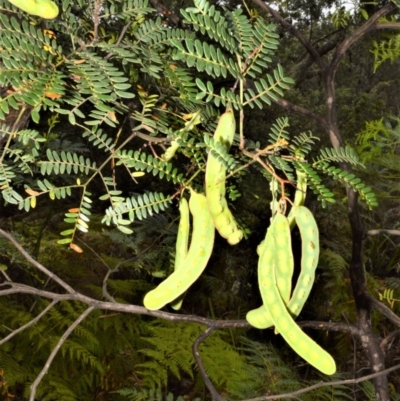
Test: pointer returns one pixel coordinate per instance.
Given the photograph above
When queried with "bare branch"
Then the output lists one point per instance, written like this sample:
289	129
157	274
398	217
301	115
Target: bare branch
389	338
195	348
303	112
118	307
388	25
383	231
55	350
297	34
30	323
369	25
326	384
39	266
331	326
384	310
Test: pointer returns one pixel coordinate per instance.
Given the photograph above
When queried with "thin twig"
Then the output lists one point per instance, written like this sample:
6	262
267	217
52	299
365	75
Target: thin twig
55	350
391	337
326	384
383	231
386	311
195	348
30	323
35	263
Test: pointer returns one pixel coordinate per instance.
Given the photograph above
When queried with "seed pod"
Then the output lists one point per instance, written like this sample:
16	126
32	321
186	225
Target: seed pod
181	247
223	219
299	196
303	345
305	220
194	263
42	8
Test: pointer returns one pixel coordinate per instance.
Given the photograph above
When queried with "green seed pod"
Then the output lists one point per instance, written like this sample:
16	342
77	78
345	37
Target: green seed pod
259	317
170	152
194	263
268	264
224	221
181	247
42	8
299	196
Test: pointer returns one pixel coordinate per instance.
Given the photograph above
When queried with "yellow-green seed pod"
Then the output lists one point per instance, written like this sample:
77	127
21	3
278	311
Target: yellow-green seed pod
182	241
196	260
299	196
43	8
303	345
260	317
223	219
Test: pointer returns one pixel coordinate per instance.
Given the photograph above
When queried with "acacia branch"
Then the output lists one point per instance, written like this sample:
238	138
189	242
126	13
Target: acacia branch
331	326
302	112
16	288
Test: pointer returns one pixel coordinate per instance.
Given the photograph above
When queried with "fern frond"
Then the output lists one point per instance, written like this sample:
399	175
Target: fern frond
386	50
134	394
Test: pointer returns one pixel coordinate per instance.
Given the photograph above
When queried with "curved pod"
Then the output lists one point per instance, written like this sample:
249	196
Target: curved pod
182	241
299	196
303	345
223	219
260	317
194	263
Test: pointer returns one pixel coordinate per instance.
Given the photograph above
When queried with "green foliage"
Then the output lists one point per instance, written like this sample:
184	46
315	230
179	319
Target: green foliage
168	351
278	377
386	50
149	395
94	358
96	85
107	98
